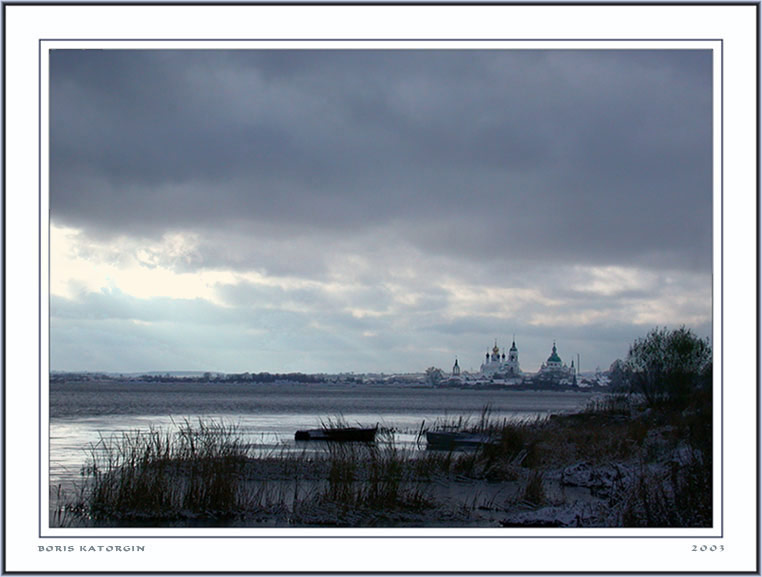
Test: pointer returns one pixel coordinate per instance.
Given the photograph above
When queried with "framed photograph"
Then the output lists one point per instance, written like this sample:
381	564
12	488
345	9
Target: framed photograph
381	288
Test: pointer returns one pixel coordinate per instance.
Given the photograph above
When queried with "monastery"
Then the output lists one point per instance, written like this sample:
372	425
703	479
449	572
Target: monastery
499	365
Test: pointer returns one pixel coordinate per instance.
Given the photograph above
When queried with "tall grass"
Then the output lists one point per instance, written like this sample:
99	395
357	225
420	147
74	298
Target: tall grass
372	477
66	510
205	470
533	491
507	445
166	474
614	404
666	492
681	496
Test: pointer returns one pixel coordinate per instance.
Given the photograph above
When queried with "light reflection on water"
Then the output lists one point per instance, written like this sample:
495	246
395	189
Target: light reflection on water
267	415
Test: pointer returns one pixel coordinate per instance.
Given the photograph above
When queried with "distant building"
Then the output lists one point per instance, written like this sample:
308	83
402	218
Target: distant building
502	367
497	363
555	367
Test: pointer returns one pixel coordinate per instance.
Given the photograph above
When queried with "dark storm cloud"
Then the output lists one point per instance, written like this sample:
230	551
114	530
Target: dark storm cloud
582	156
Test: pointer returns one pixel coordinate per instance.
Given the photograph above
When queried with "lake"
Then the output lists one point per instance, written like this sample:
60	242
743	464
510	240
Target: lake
267	415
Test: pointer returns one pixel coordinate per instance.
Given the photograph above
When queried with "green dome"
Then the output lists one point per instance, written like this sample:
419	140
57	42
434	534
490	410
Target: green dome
554	358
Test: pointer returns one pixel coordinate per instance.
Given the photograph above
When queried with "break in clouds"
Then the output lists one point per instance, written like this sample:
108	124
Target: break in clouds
374	210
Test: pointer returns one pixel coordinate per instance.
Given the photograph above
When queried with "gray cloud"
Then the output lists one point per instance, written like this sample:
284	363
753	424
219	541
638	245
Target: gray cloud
528	147
393	174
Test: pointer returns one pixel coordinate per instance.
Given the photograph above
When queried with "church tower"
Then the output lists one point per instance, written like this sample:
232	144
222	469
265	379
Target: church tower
513	354
554	365
495	353
554	362
513	358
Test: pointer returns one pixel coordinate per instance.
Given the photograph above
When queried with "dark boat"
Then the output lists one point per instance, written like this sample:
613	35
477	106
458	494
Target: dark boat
343	434
453	439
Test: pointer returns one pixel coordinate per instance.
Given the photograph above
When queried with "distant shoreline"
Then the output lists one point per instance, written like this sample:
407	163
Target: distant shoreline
298	379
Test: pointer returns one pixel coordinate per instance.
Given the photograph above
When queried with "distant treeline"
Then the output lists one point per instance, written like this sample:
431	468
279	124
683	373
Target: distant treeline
235	378
205	378
270	378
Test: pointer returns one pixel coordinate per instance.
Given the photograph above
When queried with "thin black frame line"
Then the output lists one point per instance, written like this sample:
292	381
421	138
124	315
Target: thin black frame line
39	277
391	572
720	40
389	3
655	40
757	559
4	249
722	300
560	537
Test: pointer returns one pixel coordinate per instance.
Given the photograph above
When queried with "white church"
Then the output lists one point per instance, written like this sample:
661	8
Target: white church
555	367
497	363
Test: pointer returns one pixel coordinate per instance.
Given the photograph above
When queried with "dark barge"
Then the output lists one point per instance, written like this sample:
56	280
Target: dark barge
359	434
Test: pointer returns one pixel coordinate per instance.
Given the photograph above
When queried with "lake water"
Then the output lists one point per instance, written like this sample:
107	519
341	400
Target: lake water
269	414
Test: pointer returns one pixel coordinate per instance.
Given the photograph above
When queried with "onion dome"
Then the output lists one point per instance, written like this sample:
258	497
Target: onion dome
554	358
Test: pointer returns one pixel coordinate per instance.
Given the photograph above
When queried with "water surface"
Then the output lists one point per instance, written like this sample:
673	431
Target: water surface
268	414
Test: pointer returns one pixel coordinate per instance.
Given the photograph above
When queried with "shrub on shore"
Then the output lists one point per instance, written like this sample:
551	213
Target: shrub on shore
668	367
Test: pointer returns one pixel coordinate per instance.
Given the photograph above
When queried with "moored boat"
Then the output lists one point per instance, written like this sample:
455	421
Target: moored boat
360	434
453	439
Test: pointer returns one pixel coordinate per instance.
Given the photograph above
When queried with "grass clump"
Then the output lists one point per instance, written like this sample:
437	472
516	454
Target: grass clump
614	404
680	492
681	496
366	476
653	466
533	491
165	474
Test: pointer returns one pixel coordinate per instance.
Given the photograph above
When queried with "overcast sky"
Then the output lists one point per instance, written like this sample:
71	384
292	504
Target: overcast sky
330	211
